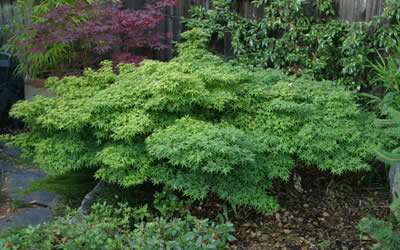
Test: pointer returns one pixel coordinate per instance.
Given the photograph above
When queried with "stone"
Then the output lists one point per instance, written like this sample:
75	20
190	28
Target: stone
20	180
5	167
39	197
58	205
394	181
14	151
31	216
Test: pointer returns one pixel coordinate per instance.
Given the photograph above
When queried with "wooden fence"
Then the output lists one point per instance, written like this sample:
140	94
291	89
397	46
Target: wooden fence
7	13
346	10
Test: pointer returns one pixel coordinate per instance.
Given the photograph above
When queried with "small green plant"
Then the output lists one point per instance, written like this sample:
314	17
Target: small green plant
196	124
382	231
324	244
72	186
391	127
387	76
388	70
121	227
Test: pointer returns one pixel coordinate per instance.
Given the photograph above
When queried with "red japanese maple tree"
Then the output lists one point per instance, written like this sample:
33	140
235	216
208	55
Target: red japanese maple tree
96	28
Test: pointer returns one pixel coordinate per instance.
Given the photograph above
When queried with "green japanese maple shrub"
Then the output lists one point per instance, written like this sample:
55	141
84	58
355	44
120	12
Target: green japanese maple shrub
196	124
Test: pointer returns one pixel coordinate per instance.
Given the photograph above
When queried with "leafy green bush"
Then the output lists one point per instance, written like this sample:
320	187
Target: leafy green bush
290	38
391	127
387	76
196	124
382	231
122	227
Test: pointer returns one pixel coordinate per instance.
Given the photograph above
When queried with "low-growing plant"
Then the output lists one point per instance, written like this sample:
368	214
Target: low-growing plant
196	124
382	231
72	186
120	227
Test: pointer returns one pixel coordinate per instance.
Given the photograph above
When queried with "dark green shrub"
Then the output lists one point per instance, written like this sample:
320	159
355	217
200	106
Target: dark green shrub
289	38
196	124
383	232
123	227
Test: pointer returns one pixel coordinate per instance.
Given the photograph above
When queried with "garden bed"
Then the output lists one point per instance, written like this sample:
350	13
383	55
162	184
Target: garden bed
325	216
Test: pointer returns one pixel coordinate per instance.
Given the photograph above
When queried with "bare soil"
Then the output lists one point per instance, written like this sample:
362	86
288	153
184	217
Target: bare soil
324	216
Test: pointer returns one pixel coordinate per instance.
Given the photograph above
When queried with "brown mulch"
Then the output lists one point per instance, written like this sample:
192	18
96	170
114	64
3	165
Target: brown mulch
324	216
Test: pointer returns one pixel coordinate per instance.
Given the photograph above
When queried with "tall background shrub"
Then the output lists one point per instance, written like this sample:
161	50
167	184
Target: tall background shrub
289	38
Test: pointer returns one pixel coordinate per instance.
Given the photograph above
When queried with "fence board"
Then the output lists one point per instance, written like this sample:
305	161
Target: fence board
7	14
347	10
358	10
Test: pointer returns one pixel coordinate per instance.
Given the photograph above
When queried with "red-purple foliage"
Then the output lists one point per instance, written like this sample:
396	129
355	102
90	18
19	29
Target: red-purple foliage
101	26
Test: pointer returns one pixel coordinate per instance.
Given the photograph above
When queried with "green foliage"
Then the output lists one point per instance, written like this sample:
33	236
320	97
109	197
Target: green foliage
19	37
72	186
388	71
288	38
383	232
387	76
196	124
121	227
391	128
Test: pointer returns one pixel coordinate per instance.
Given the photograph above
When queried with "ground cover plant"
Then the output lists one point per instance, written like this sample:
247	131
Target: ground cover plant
383	231
196	124
290	38
124	227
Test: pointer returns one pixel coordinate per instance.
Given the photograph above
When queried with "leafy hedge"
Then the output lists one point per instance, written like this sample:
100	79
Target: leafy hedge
290	38
196	124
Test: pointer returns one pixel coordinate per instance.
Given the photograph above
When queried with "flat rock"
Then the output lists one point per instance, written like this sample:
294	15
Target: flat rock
20	180
5	166
12	151
43	198
31	216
